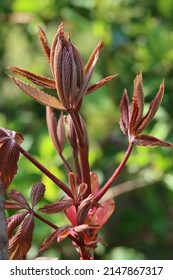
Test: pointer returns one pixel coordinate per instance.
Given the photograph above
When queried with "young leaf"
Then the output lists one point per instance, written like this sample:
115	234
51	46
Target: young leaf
147	140
138	98
13	205
93	56
44	43
20	243
56	207
124	113
36	79
37	193
39	95
17	196
9	155
15	220
100	84
154	106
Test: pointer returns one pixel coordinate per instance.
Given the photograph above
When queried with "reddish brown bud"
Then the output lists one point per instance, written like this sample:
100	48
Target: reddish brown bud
67	67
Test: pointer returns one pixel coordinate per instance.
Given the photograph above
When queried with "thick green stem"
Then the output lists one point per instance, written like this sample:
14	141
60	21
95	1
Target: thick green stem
115	174
46	172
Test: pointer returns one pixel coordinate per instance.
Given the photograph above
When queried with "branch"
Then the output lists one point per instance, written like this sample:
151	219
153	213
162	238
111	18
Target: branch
46	172
116	173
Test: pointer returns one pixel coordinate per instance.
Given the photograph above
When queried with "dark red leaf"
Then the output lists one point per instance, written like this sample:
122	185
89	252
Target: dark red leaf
9	155
138	98
37	193
93	56
56	207
39	95
14	220
53	46
17	196
48	241
36	79
124	113
154	106
20	243
44	43
147	140
12	205
88	74
100	84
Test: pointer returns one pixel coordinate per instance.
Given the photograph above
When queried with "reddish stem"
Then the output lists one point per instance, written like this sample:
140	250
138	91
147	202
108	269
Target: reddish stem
73	238
83	151
46	172
116	173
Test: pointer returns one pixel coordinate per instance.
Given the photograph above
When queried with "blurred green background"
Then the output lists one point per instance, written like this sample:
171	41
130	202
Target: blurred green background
138	35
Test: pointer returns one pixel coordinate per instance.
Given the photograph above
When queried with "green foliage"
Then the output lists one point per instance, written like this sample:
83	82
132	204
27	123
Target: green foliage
137	36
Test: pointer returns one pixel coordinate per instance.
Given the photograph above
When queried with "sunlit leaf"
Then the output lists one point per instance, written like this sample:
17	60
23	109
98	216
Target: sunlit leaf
38	95
36	79
44	43
124	113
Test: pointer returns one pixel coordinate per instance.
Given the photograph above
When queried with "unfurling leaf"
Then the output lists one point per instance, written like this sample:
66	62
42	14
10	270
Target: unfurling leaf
20	243
9	155
56	207
37	193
